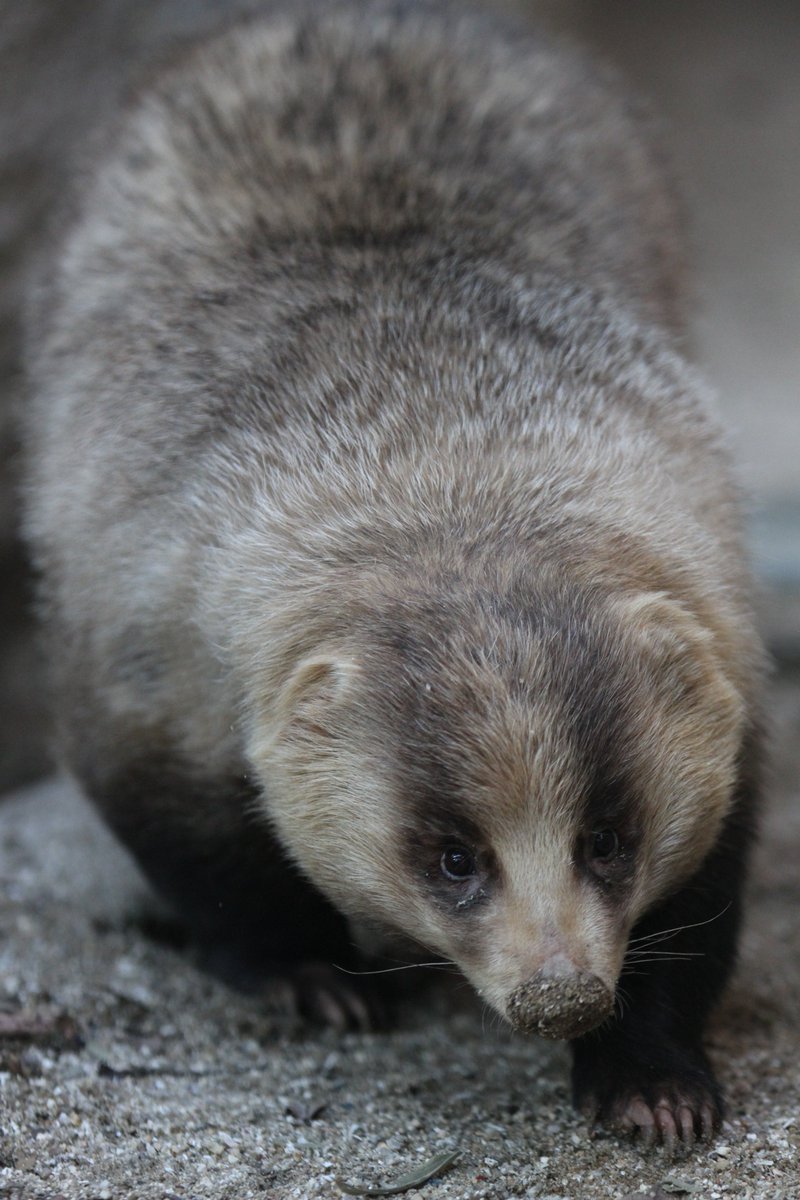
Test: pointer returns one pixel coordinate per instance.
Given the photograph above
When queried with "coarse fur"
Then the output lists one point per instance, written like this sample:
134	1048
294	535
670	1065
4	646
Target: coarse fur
382	526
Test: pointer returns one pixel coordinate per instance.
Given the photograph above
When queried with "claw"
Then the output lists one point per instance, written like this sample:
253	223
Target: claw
313	992
647	1137
667	1127
674	1111
328	1009
671	1123
686	1123
708	1122
637	1115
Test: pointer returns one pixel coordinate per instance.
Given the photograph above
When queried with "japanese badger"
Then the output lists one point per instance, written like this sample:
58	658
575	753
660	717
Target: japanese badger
390	557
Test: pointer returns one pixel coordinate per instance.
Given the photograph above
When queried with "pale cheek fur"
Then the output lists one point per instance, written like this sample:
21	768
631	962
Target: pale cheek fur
334	816
686	794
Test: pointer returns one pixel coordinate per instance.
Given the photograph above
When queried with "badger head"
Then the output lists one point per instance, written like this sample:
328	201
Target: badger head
511	779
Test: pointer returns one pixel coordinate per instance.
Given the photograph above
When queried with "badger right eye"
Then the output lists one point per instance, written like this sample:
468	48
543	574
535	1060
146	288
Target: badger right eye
605	844
457	863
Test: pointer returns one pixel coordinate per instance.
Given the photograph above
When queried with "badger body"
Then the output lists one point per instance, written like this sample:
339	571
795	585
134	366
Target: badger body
390	557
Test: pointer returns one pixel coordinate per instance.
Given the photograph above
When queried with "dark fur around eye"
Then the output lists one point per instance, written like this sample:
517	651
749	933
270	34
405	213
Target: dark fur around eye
608	855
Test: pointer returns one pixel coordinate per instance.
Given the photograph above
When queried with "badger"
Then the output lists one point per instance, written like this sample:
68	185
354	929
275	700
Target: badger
390	552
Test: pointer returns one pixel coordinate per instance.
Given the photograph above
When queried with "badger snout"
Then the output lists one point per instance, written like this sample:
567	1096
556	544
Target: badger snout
559	1001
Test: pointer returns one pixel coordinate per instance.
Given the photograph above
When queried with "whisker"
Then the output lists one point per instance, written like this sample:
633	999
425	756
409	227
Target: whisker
632	968
662	934
439	964
498	1022
665	955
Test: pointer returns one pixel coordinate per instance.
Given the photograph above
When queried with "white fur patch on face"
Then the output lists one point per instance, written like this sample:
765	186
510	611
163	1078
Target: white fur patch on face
544	915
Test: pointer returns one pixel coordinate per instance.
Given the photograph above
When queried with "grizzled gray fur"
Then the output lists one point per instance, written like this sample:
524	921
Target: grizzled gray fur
390	557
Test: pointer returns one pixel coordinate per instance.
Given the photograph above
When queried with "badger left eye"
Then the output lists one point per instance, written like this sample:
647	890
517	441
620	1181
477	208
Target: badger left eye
604	844
458	863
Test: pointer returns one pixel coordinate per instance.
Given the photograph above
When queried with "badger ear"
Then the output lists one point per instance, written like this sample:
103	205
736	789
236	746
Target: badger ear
311	702
656	618
684	656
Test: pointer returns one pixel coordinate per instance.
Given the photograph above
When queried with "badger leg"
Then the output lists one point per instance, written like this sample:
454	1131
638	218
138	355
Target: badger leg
645	1072
256	921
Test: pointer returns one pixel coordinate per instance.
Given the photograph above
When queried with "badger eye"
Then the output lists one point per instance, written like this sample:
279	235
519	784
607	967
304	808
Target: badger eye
457	863
605	844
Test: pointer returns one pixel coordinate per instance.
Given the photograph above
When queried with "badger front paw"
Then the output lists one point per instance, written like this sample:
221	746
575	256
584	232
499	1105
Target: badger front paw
668	1097
322	995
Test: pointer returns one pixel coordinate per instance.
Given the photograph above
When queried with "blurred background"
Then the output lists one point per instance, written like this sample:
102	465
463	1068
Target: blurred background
723	74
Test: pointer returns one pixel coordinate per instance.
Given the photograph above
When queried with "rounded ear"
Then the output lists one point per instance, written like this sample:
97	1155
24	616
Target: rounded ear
685	658
689	720
311	700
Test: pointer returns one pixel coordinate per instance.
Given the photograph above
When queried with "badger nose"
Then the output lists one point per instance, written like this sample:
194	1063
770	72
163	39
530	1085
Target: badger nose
559	1001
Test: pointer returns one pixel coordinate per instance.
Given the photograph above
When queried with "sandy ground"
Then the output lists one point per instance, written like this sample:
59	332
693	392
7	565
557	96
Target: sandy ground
125	1072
